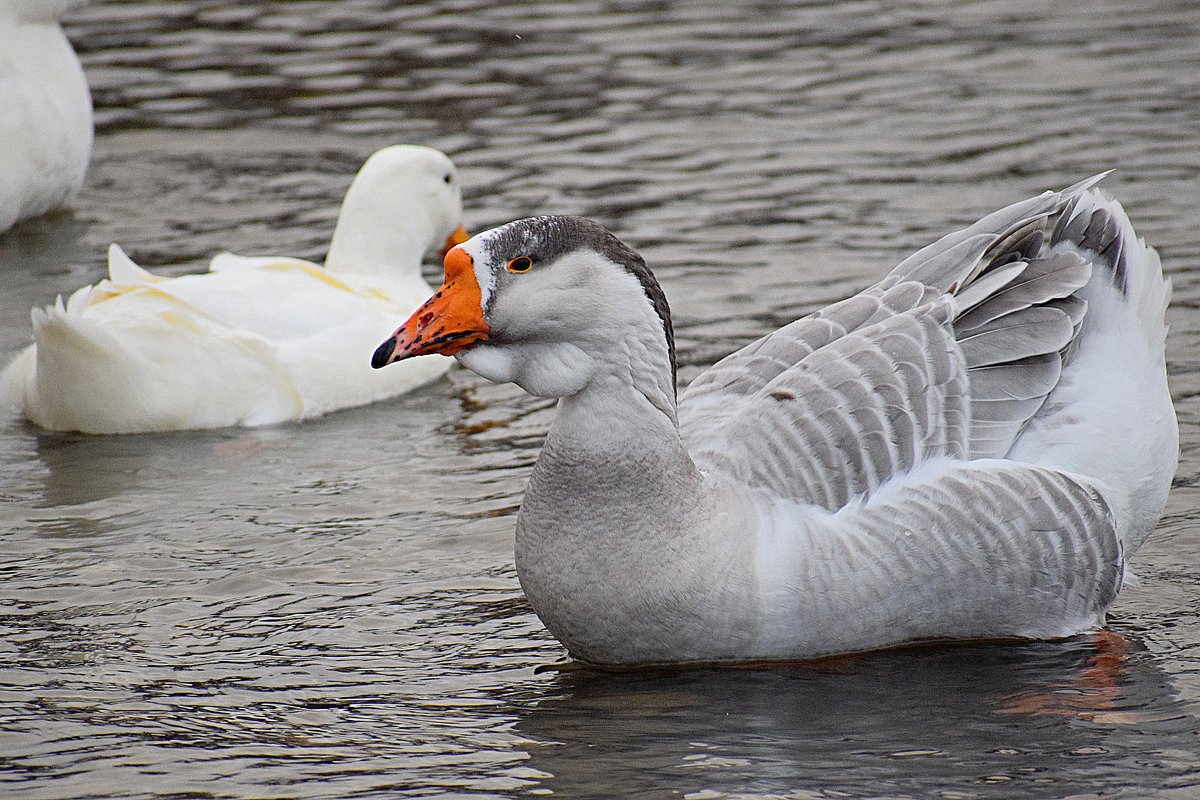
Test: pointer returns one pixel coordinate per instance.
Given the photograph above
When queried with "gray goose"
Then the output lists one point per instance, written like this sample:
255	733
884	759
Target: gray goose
971	448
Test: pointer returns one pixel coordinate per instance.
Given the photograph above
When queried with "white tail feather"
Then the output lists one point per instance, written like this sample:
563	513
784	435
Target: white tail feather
1115	373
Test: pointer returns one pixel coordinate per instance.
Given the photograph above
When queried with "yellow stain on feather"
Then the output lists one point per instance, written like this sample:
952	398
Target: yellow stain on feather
313	271
180	321
107	291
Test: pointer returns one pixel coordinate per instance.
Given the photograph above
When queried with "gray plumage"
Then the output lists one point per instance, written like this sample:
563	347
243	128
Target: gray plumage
545	239
972	447
981	316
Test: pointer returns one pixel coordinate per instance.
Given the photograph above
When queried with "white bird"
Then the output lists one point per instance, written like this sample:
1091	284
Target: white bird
45	111
253	341
972	448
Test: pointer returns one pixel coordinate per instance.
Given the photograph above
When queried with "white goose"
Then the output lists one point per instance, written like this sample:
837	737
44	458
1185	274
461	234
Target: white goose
254	340
45	111
971	448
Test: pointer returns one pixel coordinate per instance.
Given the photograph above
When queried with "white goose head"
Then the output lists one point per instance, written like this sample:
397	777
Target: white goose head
551	304
404	202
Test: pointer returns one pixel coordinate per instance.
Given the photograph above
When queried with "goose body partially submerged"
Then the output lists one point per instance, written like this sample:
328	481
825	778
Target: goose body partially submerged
253	341
972	448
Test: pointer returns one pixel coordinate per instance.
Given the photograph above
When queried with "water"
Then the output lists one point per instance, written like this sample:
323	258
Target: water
330	609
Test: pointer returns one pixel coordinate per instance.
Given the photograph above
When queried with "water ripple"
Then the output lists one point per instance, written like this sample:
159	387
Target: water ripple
330	609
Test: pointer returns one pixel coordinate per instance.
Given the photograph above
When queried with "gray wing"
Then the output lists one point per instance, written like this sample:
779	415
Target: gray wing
847	414
950	354
977	549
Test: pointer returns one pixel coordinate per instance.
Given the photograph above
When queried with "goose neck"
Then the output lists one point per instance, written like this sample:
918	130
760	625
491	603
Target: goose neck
613	426
366	243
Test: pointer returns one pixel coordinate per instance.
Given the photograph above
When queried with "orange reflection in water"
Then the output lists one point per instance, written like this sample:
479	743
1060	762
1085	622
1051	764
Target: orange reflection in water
1093	696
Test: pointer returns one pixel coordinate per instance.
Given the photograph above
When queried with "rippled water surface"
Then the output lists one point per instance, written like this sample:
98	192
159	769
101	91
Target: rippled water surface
330	609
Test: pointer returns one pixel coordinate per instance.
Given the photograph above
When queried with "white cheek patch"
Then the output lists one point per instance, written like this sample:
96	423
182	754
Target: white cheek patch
484	275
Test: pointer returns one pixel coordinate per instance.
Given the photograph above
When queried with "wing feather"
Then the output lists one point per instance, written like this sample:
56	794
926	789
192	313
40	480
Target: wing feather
1045	279
848	416
951	354
993	546
1028	332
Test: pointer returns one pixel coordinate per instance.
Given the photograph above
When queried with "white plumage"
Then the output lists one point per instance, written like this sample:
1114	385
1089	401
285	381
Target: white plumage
254	340
45	111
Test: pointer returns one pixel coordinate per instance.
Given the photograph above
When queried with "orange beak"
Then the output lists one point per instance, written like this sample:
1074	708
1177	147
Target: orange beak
459	236
446	323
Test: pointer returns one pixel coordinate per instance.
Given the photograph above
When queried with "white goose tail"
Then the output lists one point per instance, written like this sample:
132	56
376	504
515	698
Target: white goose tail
1110	418
74	356
127	356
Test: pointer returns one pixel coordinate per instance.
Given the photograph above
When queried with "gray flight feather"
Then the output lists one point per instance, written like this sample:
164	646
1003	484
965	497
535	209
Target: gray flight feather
1045	279
951	354
1028	332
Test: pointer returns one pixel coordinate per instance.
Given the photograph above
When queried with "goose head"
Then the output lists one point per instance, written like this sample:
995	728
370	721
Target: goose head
404	202
551	304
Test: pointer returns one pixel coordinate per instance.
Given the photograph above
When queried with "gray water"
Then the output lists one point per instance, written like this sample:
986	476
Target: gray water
330	609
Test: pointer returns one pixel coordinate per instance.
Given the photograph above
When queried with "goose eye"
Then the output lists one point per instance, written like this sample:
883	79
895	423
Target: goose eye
448	178
520	264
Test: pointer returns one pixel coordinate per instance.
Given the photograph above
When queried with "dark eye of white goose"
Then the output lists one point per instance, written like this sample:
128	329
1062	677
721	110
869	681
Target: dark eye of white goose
448	178
519	265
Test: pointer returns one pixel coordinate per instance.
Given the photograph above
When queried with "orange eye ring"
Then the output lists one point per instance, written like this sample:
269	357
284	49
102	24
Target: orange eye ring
519	265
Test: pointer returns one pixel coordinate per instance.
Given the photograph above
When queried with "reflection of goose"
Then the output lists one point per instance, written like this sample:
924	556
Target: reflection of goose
1094	694
45	111
971	448
913	723
254	340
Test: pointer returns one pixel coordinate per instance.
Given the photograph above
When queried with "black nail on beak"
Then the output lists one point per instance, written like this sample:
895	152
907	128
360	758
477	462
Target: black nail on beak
383	353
